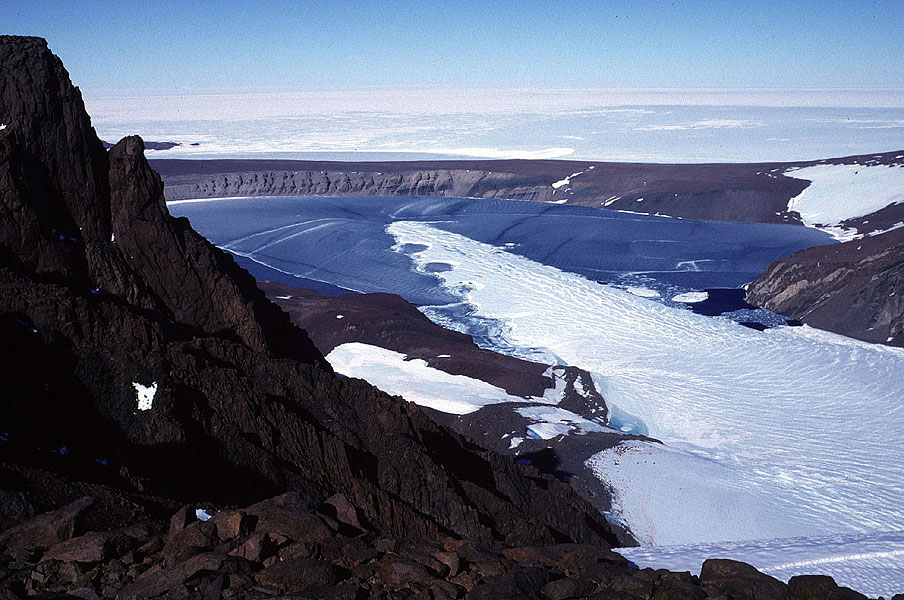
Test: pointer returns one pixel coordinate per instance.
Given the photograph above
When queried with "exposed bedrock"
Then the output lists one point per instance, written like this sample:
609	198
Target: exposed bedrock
105	299
855	288
748	193
752	193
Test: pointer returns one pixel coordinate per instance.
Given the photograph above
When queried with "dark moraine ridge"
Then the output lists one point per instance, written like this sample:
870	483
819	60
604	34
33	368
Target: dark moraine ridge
102	289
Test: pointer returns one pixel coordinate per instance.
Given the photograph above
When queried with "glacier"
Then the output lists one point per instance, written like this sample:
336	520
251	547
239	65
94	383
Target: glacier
776	434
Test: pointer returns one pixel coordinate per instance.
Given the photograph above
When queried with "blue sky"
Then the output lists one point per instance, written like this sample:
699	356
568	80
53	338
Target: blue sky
279	44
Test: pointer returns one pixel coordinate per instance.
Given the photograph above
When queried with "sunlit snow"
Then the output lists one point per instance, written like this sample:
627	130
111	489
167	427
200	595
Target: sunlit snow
840	192
414	380
202	515
550	421
145	395
795	432
566	181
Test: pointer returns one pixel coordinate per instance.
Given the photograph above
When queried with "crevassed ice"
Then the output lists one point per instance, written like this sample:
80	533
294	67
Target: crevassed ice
798	431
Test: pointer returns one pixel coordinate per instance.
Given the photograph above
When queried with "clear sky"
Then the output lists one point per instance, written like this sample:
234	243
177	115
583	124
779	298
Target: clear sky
550	43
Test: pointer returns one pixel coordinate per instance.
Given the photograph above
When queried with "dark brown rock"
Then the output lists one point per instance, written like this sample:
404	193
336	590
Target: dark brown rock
740	580
45	529
850	288
299	574
91	547
819	587
397	572
231	524
254	548
194	539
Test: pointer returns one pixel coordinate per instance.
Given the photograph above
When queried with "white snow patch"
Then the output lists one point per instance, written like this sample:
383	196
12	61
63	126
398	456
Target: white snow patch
340	316
691	297
642	292
840	192
801	429
515	442
113	237
415	380
892	228
2	126
202	515
550	422
563	182
872	564
283	297
145	395
443	356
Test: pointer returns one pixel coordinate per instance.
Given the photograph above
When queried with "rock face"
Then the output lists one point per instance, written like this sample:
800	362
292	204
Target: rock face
854	288
726	192
107	299
749	193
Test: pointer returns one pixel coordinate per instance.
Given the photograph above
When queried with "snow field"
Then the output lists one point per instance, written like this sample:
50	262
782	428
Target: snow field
415	380
840	192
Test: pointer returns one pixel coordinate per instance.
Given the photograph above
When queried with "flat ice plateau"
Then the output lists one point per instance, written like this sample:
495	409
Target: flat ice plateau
788	432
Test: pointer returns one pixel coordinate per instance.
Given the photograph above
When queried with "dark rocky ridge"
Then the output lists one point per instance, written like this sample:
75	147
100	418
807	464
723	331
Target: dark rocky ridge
101	288
855	288
148	145
750	193
280	548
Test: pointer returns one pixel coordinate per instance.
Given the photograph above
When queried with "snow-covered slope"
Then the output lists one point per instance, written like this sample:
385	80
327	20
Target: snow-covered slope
838	192
787	432
393	373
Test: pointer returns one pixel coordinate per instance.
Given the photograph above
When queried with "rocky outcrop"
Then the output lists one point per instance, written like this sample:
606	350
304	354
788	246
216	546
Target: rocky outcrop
106	300
388	321
749	193
854	288
280	548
